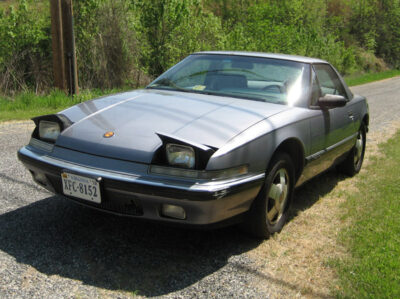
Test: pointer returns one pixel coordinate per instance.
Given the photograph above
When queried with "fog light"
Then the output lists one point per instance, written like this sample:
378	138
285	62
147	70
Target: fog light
39	178
173	211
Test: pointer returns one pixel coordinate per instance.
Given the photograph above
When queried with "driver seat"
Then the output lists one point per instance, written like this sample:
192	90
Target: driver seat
225	81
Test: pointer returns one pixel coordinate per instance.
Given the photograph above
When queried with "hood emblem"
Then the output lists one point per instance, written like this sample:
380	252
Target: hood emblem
108	134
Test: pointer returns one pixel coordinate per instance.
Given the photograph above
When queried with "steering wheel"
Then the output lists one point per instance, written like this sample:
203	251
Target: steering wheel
273	87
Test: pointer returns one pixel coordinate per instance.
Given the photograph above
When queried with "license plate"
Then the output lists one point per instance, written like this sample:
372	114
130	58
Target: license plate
81	187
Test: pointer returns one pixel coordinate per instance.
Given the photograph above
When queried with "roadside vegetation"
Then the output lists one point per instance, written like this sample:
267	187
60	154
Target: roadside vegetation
26	105
358	79
372	237
127	43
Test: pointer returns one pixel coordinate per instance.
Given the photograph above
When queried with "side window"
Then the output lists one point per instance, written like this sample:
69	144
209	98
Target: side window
328	80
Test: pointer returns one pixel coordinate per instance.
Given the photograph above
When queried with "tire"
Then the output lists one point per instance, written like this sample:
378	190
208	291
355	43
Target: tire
353	162
269	210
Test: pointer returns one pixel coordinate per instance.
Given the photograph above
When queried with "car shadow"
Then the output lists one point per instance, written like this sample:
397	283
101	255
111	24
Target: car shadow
58	237
309	193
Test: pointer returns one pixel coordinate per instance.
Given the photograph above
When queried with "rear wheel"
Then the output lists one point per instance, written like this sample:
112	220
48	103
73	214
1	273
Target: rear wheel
353	162
269	211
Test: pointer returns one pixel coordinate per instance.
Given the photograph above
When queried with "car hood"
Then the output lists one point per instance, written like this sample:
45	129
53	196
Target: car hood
135	118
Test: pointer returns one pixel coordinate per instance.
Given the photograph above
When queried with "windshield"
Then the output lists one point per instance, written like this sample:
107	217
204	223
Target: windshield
255	78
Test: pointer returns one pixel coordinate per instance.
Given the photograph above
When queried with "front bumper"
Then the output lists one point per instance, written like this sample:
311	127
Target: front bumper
142	195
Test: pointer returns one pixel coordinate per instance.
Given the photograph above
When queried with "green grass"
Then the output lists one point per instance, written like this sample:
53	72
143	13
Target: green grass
373	238
353	80
28	105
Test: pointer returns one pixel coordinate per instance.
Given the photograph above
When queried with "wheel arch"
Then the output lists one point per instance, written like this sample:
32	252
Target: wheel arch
295	149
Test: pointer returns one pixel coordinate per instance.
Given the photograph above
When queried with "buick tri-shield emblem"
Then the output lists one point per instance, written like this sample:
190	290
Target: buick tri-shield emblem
108	134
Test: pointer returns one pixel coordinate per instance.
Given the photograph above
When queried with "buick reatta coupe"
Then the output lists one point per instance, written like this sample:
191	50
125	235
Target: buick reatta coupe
220	138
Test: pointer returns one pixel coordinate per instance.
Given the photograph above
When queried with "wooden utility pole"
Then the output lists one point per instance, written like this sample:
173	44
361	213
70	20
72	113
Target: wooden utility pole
63	43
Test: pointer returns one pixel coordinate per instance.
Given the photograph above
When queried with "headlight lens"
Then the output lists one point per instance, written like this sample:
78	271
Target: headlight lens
180	155
49	130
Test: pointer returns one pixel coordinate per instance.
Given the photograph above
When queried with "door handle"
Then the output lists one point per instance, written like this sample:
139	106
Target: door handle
351	115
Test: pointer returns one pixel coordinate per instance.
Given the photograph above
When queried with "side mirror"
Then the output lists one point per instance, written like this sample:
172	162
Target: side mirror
332	101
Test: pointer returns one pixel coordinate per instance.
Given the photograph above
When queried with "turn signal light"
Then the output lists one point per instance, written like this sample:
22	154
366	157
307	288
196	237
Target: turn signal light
173	211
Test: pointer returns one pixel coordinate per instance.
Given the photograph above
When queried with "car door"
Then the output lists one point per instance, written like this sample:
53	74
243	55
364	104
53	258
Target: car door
340	119
331	130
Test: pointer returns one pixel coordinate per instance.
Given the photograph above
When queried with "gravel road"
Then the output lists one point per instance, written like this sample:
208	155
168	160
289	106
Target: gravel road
384	102
53	248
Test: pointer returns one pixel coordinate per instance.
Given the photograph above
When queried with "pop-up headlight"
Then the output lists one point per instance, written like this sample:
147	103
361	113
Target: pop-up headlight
180	155
48	130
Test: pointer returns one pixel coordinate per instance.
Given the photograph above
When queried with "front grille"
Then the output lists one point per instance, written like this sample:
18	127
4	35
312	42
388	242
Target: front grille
112	201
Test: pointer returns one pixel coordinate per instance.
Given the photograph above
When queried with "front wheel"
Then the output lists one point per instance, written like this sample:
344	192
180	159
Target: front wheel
270	209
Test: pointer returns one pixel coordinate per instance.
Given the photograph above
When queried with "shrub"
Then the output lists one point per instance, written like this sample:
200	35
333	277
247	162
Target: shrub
108	46
25	58
291	27
174	29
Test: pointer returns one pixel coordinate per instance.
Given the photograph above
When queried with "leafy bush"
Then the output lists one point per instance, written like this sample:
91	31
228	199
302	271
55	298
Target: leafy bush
25	48
291	27
375	26
108	47
174	29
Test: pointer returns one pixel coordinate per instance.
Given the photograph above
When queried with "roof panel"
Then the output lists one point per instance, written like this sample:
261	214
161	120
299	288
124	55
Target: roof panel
266	55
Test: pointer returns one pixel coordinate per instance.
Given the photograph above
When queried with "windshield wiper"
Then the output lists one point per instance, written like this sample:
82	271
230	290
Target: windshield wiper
165	82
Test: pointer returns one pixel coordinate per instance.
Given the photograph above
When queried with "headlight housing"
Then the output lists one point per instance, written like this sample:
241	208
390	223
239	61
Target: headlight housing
180	155
48	130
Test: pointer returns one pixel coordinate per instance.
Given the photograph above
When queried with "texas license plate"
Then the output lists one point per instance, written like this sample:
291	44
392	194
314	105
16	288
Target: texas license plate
81	187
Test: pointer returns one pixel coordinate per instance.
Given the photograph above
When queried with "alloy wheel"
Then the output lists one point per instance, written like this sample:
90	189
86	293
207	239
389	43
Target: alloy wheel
358	149
277	196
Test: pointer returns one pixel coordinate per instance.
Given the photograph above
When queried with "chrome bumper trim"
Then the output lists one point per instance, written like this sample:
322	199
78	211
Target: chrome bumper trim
213	186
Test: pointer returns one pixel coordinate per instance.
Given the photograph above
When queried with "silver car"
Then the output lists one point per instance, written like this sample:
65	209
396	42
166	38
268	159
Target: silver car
221	137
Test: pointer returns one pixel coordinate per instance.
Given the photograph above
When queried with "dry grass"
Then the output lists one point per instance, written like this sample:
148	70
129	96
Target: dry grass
295	263
375	138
